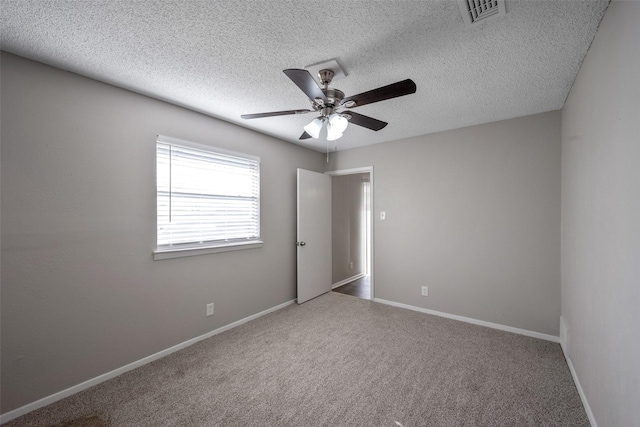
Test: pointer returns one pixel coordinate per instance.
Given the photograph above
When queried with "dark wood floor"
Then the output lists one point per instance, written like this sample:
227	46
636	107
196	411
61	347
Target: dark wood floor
360	288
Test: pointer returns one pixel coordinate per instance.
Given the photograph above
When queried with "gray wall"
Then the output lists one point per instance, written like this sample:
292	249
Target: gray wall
81	294
601	219
347	225
474	214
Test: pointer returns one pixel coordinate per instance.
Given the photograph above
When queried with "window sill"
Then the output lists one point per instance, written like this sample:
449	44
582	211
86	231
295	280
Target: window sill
224	247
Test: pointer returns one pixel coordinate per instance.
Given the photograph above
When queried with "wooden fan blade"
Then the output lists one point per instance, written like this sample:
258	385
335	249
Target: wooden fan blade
306	83
305	135
394	90
274	113
365	121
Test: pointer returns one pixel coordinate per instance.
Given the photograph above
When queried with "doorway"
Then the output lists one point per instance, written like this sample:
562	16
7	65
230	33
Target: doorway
352	232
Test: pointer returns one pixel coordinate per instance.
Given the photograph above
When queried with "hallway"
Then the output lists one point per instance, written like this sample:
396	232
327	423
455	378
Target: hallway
360	288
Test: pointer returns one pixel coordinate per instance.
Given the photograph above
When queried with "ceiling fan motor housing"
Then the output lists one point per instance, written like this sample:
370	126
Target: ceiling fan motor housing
334	96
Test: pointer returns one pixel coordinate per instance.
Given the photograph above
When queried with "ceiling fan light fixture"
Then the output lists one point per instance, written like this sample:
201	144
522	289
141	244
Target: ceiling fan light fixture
314	127
338	123
333	132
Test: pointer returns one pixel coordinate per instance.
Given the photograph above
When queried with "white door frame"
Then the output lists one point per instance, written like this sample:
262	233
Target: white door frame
353	171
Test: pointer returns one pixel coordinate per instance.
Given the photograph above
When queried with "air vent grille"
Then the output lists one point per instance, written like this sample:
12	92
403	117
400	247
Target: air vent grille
477	10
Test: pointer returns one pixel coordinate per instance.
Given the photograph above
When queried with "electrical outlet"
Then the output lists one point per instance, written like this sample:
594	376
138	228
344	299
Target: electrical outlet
425	291
351	266
210	309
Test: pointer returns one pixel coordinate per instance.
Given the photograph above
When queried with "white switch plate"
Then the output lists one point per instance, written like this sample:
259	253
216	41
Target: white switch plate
383	215
210	309
425	291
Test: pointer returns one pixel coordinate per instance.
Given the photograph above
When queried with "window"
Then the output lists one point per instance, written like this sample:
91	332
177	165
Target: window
208	200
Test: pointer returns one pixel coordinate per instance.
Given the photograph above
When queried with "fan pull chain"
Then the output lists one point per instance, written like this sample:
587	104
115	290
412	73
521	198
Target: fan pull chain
327	151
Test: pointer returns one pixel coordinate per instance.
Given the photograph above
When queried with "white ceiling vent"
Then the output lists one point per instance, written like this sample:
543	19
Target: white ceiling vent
478	10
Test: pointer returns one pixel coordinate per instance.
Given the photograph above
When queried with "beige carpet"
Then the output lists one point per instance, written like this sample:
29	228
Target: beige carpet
338	361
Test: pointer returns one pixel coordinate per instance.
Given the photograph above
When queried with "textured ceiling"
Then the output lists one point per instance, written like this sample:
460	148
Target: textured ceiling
225	58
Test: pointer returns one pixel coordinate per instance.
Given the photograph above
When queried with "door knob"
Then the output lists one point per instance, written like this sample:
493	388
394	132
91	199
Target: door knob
300	243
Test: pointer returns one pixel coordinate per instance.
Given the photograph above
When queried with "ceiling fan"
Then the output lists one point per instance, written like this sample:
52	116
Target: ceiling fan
331	102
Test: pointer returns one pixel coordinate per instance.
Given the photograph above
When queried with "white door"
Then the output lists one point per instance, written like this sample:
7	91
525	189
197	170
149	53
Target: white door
314	234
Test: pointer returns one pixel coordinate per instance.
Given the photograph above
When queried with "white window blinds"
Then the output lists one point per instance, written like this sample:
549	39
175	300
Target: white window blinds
205	198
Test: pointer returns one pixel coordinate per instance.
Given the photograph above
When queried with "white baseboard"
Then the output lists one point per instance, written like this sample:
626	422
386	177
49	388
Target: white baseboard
565	349
564	337
4	418
349	280
526	332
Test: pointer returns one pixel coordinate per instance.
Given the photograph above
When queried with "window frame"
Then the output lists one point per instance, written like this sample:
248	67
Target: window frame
184	250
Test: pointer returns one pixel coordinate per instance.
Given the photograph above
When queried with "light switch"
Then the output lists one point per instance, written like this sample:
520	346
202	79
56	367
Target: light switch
383	215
